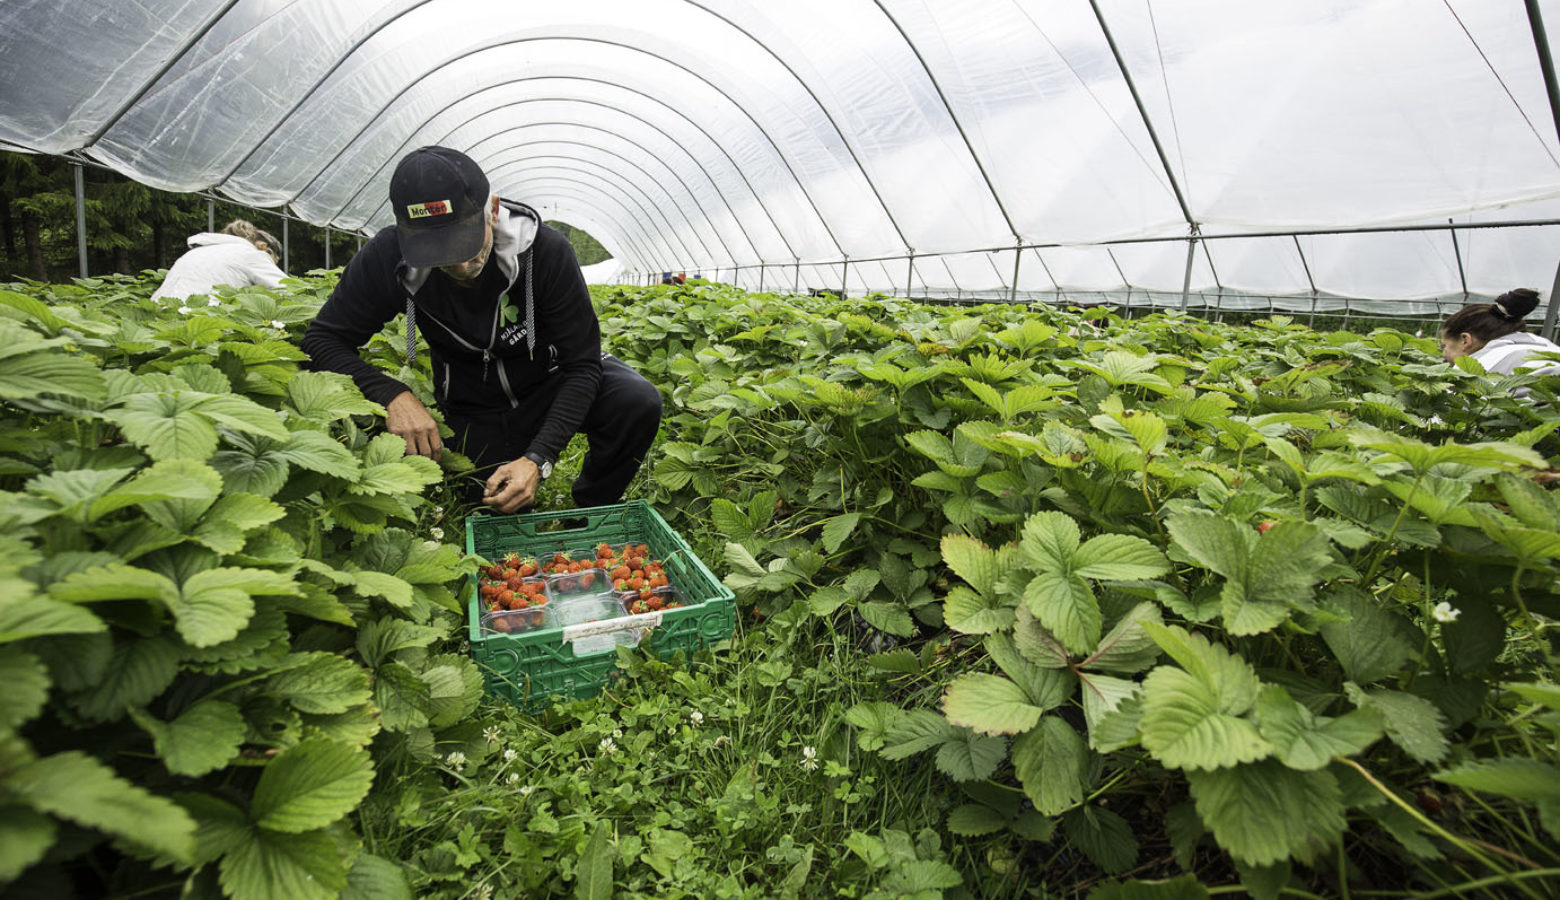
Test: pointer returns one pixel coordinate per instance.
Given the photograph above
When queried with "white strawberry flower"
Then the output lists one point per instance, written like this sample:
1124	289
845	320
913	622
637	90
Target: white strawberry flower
1445	612
184	310
278	323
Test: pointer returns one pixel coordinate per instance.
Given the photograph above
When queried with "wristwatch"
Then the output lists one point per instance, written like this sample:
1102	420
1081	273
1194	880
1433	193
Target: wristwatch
543	465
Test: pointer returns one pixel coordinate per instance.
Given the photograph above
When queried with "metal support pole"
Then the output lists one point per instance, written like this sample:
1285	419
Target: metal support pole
81	216
910	278
327	246
1554	308
796	285
285	245
1457	252
760	278
1018	258
211	214
844	277
1546	64
1186	283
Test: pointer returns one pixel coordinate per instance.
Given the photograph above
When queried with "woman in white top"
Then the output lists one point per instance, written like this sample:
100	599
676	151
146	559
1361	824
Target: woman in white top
241	255
1492	334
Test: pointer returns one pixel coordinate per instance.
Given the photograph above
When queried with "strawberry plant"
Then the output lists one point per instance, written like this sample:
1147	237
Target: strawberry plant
217	617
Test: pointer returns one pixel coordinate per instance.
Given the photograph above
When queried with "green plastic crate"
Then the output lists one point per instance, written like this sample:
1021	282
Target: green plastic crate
532	668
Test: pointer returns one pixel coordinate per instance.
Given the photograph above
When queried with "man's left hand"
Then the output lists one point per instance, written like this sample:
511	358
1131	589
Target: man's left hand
512	486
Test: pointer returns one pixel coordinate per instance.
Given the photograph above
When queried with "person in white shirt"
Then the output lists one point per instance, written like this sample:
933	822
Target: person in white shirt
239	256
1493	334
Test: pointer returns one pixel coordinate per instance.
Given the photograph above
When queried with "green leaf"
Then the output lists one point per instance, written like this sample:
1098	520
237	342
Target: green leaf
1185	887
114	582
1036	644
1183	725
324	684
1046	688
593	872
25	836
1264	578
967	756
202	739
169	480
271	866
138	671
989	705
1307	742
887	617
1413	723
214	606
23	616
327	397
976	819
1103	836
1524	779
77	787
968	612
1119	557
319	452
26	691
376	878
1049	541
1050	762
1103	695
1067	608
1128	648
1375	642
837	529
1229	676
916	731
166	425
980	566
901	659
311	785
1263	813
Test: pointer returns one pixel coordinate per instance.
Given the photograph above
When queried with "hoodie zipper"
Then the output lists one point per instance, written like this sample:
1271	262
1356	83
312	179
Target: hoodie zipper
487	352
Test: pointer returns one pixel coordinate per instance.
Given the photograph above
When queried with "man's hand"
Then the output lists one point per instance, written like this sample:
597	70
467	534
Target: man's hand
406	417
512	486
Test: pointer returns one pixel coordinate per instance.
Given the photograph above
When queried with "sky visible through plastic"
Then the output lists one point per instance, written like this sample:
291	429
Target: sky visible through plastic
890	145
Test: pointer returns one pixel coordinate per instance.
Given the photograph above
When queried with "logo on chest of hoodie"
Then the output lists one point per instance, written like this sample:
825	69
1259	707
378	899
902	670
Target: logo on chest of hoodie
512	331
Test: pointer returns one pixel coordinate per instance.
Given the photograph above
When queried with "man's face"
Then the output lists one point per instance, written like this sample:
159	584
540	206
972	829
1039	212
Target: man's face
471	268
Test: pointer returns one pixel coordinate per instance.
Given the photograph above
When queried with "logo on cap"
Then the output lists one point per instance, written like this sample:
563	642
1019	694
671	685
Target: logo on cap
431	208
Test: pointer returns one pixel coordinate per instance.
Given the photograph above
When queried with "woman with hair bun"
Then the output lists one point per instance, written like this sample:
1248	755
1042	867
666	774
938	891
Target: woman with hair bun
241	255
1493	334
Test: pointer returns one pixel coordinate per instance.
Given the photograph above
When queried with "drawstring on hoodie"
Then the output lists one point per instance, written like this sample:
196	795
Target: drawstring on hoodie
530	319
411	332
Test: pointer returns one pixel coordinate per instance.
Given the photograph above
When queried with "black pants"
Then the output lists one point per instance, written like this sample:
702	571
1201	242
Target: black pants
619	430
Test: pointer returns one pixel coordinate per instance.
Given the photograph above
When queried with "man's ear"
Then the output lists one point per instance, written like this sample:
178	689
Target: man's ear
493	213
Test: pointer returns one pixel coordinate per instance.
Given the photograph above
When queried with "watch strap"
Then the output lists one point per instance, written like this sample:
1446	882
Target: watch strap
544	465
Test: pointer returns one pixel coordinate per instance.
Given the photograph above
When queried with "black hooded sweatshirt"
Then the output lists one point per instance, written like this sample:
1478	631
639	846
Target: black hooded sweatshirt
485	361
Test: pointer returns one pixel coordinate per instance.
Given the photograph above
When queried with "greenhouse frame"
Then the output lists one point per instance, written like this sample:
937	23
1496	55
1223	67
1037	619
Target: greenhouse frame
1146	152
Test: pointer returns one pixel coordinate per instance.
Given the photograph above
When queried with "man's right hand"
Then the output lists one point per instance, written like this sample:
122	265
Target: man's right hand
407	417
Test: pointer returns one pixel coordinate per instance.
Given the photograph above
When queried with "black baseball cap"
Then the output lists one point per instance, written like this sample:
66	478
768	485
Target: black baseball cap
440	197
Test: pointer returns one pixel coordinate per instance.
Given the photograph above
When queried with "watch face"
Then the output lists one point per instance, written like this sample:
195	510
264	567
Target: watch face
546	469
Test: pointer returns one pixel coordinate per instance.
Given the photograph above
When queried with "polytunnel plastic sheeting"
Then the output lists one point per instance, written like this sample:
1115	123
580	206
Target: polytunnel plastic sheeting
1334	112
710	134
719	142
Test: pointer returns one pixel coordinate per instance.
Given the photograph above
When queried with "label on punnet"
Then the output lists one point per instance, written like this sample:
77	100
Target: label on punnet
607	626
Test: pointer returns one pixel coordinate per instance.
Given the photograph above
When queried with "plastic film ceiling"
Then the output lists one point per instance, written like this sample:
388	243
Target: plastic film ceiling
955	145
